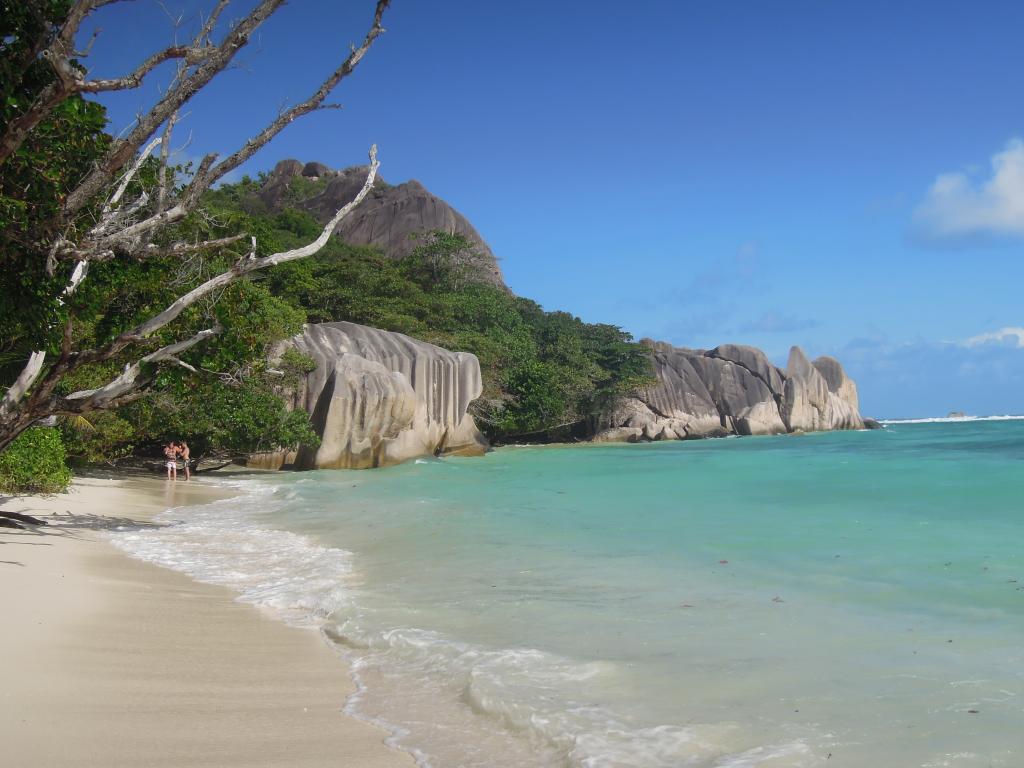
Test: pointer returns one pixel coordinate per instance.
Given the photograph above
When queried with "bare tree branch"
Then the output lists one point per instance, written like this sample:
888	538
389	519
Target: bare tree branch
77	276
215	61
128	380
165	155
59	53
77	15
134	79
20	127
126	238
115	199
207	29
179	249
21	385
312	103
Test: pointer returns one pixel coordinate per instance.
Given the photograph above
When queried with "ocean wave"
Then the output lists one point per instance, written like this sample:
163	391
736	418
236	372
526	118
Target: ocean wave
951	419
217	544
532	707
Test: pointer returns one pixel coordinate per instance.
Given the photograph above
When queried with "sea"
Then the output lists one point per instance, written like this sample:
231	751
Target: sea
848	599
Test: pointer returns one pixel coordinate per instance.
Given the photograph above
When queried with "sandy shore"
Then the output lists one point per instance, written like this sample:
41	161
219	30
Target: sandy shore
109	661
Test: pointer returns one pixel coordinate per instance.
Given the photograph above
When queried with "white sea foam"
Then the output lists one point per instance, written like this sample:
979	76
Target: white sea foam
217	544
471	703
951	419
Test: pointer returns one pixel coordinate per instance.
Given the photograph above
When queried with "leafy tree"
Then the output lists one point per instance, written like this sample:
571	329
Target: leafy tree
114	279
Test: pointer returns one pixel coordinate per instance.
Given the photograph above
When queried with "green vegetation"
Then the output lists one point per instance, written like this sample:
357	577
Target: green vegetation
34	463
222	399
34	181
225	405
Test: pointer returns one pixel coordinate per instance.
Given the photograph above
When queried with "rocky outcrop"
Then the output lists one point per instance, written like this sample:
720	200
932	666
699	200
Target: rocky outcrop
392	218
734	390
818	396
378	398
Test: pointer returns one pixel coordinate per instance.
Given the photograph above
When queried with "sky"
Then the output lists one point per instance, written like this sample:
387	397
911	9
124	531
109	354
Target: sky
845	176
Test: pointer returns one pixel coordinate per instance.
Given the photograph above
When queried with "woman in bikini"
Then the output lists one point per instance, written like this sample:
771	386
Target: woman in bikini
171	454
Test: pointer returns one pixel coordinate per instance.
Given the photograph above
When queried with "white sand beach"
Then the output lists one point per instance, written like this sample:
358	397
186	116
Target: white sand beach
109	661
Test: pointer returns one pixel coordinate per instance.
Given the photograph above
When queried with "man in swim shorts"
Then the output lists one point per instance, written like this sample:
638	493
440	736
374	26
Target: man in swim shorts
186	456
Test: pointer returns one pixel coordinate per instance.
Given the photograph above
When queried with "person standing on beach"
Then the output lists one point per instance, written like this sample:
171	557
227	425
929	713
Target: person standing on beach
185	457
171	453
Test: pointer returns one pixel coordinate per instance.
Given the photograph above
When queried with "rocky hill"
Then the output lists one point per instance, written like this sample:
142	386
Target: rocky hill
391	218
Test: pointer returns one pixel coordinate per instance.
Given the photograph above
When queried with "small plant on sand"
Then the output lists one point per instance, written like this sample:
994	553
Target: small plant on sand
34	463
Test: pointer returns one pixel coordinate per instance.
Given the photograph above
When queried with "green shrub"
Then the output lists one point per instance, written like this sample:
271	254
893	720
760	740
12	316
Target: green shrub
34	463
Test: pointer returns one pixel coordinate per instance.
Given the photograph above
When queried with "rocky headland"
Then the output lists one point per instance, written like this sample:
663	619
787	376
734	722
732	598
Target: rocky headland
734	390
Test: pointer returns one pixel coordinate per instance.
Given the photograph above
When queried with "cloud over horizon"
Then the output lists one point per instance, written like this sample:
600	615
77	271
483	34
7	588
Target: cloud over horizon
1008	336
958	206
981	376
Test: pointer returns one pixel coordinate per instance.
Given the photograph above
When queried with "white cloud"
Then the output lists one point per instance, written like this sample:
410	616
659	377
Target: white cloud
958	206
1010	336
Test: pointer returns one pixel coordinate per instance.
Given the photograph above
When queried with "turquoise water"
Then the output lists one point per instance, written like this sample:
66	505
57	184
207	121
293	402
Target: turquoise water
840	599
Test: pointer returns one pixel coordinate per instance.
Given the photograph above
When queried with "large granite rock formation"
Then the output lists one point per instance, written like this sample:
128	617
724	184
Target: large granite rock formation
378	398
735	389
391	217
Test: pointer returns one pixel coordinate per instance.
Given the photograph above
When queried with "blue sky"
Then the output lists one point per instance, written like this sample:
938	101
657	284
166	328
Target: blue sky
843	176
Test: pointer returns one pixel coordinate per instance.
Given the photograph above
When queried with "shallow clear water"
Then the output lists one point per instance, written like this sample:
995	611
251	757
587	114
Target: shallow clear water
843	599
